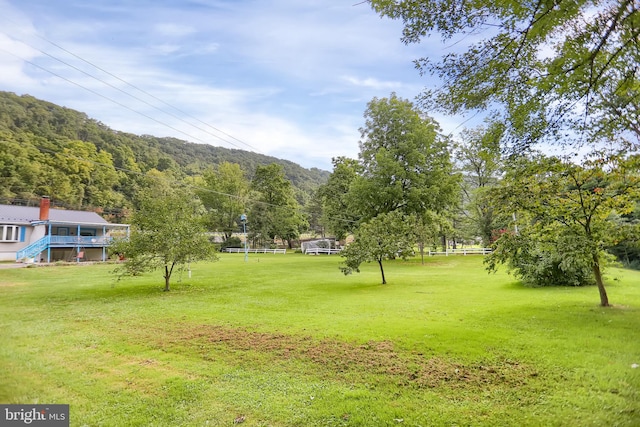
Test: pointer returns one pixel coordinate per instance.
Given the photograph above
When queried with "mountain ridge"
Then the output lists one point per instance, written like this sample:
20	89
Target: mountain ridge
37	134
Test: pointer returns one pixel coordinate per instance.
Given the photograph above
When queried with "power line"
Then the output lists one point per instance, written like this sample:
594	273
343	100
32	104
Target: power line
130	95
104	96
191	186
127	93
151	118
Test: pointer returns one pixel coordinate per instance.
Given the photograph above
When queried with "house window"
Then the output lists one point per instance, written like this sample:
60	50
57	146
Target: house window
86	232
9	233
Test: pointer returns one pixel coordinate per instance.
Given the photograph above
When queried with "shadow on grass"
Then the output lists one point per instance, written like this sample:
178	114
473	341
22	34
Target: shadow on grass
349	288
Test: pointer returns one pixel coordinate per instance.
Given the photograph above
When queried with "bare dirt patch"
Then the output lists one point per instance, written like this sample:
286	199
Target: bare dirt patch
374	357
10	284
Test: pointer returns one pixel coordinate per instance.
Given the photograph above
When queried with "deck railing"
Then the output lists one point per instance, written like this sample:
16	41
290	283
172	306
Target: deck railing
33	249
83	241
46	242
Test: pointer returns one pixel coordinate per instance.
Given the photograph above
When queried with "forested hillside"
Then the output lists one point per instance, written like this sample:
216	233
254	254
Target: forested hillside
51	150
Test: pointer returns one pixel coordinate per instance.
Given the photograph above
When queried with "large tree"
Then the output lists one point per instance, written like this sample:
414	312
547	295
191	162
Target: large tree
478	157
546	65
404	165
404	168
275	212
167	231
568	210
405	162
224	195
337	213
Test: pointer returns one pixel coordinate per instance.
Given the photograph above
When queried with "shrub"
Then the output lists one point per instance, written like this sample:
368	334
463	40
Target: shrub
539	264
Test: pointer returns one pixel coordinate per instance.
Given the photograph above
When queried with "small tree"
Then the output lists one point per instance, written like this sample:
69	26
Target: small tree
568	207
166	232
387	236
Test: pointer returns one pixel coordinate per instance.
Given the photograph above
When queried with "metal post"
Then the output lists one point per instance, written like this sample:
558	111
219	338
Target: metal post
243	218
49	245
104	243
78	244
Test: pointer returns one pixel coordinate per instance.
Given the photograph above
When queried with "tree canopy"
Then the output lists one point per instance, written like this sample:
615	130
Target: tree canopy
389	235
405	162
478	157
275	211
224	194
50	150
565	213
338	213
548	66
167	231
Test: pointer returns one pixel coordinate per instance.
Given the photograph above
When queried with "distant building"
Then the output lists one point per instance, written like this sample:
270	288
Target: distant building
42	234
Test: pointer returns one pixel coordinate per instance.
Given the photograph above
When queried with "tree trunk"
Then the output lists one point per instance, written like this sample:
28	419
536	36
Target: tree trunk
421	245
384	281
604	299
166	280
167	276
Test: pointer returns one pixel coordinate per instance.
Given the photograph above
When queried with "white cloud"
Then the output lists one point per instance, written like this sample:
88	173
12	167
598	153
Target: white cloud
372	83
289	78
168	29
166	48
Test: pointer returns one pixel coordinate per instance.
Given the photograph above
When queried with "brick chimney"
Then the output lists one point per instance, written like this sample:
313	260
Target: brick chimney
44	208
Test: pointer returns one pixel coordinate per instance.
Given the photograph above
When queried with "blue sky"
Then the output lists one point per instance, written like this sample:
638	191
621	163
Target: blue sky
287	78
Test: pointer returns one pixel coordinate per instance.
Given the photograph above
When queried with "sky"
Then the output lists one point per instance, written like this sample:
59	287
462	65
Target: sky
285	78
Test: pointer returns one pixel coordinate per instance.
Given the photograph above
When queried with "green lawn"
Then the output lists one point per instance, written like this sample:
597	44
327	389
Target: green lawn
287	340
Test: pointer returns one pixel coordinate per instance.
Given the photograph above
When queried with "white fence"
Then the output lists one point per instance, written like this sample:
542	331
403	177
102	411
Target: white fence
318	251
256	251
465	251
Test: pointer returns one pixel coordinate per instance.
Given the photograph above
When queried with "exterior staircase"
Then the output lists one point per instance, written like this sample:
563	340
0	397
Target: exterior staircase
33	249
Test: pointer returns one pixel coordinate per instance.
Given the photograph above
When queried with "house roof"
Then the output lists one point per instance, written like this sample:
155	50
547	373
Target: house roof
10	214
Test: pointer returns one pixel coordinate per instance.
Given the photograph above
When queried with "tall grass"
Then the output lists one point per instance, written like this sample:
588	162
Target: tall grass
287	340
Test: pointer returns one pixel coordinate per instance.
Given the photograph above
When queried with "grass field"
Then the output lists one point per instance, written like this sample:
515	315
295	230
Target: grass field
287	340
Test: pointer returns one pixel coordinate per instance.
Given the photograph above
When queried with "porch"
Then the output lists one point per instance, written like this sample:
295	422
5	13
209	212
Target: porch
67	242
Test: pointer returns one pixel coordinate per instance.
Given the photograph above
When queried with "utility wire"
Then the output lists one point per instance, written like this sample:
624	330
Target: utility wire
152	96
141	173
129	94
128	171
104	96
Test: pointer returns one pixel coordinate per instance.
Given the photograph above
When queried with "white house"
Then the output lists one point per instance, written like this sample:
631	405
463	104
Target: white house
43	234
